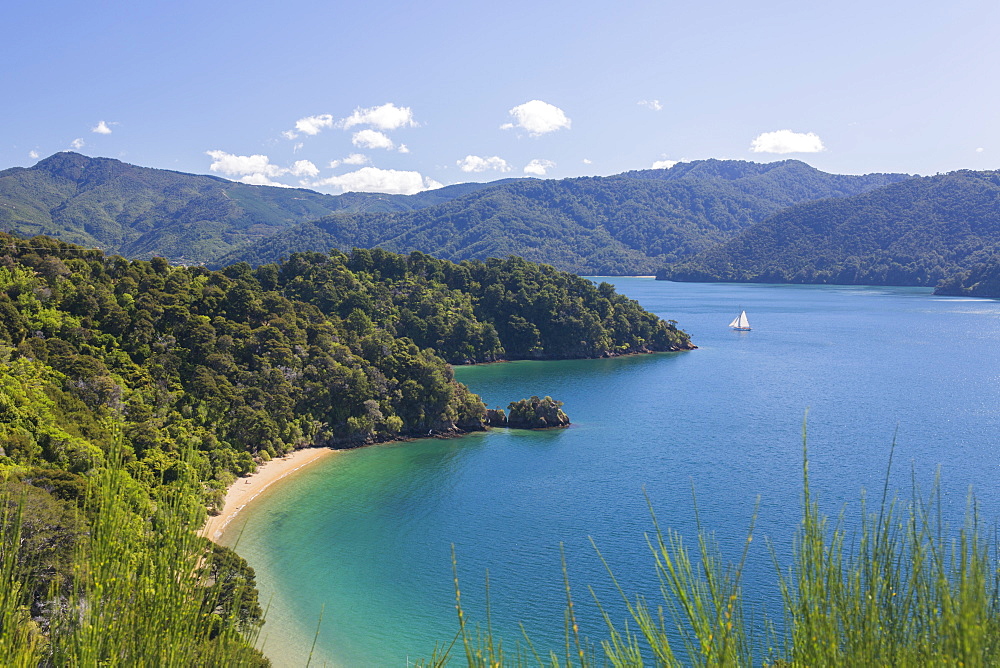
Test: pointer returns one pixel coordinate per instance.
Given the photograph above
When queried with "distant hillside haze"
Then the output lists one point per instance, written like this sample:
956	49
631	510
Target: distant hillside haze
630	223
918	232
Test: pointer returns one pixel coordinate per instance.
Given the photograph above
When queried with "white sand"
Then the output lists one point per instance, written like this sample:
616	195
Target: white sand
245	490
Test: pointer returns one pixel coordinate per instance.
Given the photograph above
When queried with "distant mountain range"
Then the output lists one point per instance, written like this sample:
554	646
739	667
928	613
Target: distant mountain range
635	222
918	232
140	212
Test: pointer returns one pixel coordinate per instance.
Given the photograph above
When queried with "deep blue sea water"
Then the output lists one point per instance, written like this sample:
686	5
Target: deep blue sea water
359	545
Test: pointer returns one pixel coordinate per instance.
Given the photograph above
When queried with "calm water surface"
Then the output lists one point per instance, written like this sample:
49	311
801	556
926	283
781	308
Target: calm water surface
359	546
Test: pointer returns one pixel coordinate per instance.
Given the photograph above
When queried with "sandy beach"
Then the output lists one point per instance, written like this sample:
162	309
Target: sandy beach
245	490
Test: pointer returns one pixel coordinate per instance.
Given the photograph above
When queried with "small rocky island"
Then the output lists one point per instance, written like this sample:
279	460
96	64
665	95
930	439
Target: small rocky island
533	413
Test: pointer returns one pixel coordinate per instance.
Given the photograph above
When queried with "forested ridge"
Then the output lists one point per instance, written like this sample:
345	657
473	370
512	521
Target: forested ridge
632	223
140	212
132	393
918	232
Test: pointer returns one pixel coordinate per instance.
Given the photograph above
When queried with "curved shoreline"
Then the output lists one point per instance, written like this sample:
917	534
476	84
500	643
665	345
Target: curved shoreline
244	490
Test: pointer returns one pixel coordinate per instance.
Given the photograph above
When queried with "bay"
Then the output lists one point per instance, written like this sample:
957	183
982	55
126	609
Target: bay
359	545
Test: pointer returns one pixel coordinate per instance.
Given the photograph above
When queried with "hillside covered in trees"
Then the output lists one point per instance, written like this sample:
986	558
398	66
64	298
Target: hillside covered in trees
918	232
141	212
627	224
132	393
982	280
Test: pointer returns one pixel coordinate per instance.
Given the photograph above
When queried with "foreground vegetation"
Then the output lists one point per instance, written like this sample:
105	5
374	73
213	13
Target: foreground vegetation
901	590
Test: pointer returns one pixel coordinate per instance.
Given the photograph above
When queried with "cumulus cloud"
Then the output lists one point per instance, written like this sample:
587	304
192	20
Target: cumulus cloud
403	148
386	117
372	139
304	168
375	180
352	159
475	163
33	155
101	128
77	143
538	118
655	105
664	164
587	161
786	141
256	170
979	150
310	125
538	167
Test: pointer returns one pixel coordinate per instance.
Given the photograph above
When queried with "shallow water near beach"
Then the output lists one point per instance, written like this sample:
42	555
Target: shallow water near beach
359	546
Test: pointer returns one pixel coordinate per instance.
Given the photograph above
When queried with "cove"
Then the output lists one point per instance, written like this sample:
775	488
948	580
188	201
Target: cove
366	536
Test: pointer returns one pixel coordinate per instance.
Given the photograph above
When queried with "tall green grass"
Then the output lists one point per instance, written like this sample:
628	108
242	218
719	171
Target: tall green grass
139	594
903	589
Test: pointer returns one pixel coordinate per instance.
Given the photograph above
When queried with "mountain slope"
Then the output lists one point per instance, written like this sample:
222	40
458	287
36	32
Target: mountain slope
912	233
625	224
141	212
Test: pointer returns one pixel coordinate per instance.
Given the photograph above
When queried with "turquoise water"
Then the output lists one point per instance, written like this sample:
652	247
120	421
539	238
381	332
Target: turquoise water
364	538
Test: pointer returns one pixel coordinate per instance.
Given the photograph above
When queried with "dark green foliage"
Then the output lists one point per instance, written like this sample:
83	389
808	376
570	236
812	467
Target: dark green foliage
913	233
627	224
231	589
982	280
535	413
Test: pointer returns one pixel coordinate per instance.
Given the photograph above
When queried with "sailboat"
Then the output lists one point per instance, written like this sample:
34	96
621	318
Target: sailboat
740	323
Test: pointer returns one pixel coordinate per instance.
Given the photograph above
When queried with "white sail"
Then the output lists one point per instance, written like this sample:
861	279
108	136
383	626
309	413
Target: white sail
741	321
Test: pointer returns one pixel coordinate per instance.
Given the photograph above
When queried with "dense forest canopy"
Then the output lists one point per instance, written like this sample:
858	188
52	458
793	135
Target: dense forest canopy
918	232
132	393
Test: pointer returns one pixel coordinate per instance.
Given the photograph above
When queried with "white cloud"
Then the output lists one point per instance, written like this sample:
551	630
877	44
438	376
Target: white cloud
310	125
375	180
261	180
538	118
372	139
386	117
538	167
101	128
77	143
979	150
664	164
242	165
588	161
475	163
403	148
33	155
655	105
297	147
304	168
786	141
352	159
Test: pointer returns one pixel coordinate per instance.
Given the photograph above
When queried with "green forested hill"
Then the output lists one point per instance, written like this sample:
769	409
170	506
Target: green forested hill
141	212
133	392
913	233
630	223
626	224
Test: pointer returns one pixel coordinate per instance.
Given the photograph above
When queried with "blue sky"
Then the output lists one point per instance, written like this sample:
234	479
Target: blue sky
399	97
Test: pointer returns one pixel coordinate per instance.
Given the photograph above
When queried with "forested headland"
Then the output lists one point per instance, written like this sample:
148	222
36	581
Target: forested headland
919	232
132	393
